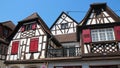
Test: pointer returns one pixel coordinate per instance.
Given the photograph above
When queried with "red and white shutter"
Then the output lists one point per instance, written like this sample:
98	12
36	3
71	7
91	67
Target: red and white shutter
34	45
34	26
86	36
117	32
14	49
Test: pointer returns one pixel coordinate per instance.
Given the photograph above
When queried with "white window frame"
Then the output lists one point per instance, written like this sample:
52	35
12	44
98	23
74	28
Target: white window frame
104	37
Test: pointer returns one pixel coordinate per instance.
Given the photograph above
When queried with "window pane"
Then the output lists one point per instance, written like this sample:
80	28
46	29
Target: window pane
94	34
102	36
110	36
94	37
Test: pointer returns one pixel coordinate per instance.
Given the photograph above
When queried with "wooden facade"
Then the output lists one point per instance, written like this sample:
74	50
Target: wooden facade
6	28
63	25
93	43
29	41
98	30
64	29
98	37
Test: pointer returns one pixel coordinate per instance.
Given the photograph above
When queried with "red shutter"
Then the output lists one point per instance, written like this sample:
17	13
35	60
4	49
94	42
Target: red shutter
23	28
34	45
34	26
117	32
15	47
86	36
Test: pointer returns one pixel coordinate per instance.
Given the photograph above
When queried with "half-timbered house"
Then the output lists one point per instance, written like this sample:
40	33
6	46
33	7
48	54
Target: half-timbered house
64	29
93	43
6	29
29	43
99	35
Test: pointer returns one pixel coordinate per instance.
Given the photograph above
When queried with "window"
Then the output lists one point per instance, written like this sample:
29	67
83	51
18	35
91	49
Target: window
34	45
27	27
102	34
69	51
64	25
5	32
1	49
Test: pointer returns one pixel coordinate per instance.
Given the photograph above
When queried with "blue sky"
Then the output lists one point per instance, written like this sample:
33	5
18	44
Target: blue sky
49	10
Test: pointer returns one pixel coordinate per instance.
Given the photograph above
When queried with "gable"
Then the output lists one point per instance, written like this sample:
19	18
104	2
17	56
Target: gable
99	13
29	29
63	25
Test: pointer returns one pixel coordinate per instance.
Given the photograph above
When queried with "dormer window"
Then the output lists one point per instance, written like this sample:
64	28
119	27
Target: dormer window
64	25
27	27
102	34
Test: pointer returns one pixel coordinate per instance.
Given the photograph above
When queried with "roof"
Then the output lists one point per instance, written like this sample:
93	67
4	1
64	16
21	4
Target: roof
71	37
33	16
9	24
60	16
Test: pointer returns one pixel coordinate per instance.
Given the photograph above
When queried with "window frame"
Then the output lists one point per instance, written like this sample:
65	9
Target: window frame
6	32
102	34
64	25
29	26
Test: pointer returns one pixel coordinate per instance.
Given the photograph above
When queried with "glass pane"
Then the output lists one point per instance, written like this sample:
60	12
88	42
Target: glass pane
94	36
102	37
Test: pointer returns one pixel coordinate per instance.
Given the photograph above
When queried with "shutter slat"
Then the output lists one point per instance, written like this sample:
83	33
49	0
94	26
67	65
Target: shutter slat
86	36
117	32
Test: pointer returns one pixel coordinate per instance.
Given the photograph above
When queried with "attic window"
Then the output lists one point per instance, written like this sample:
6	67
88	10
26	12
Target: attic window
27	27
64	25
98	12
